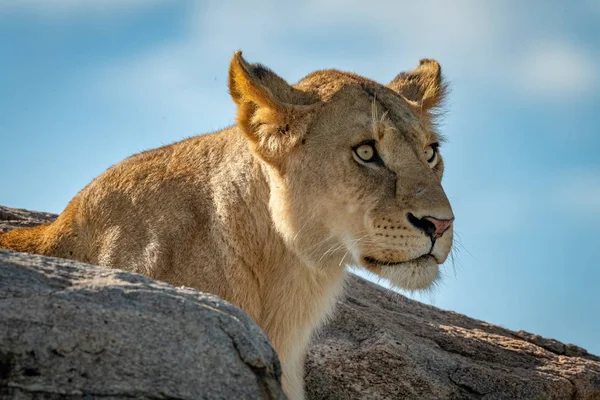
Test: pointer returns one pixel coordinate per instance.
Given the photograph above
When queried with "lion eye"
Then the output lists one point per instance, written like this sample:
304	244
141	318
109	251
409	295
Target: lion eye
431	154
366	152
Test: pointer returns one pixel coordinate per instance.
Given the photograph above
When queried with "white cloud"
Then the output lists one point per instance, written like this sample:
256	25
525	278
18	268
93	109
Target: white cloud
175	71
404	30
474	41
558	70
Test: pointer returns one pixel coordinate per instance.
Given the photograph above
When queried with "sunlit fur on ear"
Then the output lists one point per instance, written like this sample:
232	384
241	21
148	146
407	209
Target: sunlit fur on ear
423	86
245	85
271	113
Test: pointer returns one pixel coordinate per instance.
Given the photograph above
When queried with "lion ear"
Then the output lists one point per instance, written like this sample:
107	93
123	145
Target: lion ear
246	83
423	85
272	114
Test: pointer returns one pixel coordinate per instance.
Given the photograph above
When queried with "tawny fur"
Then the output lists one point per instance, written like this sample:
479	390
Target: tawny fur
267	213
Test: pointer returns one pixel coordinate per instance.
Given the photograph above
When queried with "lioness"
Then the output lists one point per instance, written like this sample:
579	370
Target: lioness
334	170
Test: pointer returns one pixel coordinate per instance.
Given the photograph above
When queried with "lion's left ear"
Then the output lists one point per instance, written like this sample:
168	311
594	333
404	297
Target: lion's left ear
423	85
272	114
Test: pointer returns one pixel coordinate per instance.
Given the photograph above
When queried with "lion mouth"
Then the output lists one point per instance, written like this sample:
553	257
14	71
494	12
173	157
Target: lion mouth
419	260
415	274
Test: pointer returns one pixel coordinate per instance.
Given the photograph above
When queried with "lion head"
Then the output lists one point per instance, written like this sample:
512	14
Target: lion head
354	167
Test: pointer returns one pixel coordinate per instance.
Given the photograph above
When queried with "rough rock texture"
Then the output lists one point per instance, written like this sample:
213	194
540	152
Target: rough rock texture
75	331
18	218
381	345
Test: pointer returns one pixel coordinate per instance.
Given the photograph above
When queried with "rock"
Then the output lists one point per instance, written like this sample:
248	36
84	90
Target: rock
69	330
382	345
18	218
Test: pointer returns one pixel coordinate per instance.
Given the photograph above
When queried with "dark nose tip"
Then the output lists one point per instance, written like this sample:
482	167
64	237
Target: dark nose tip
433	227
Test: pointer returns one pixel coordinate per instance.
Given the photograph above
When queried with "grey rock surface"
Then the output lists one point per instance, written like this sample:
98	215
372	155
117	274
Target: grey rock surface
75	331
382	345
11	218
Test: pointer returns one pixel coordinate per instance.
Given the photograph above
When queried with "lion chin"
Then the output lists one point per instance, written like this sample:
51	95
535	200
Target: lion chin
416	274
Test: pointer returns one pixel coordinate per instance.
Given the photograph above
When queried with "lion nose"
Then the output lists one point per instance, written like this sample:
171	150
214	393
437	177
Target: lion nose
433	227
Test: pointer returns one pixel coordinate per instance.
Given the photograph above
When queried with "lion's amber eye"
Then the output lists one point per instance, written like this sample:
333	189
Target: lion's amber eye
365	152
431	154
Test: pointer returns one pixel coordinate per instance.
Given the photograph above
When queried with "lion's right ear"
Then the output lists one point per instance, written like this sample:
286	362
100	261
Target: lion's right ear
272	114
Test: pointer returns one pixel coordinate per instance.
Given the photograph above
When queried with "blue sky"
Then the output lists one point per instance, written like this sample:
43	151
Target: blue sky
85	84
